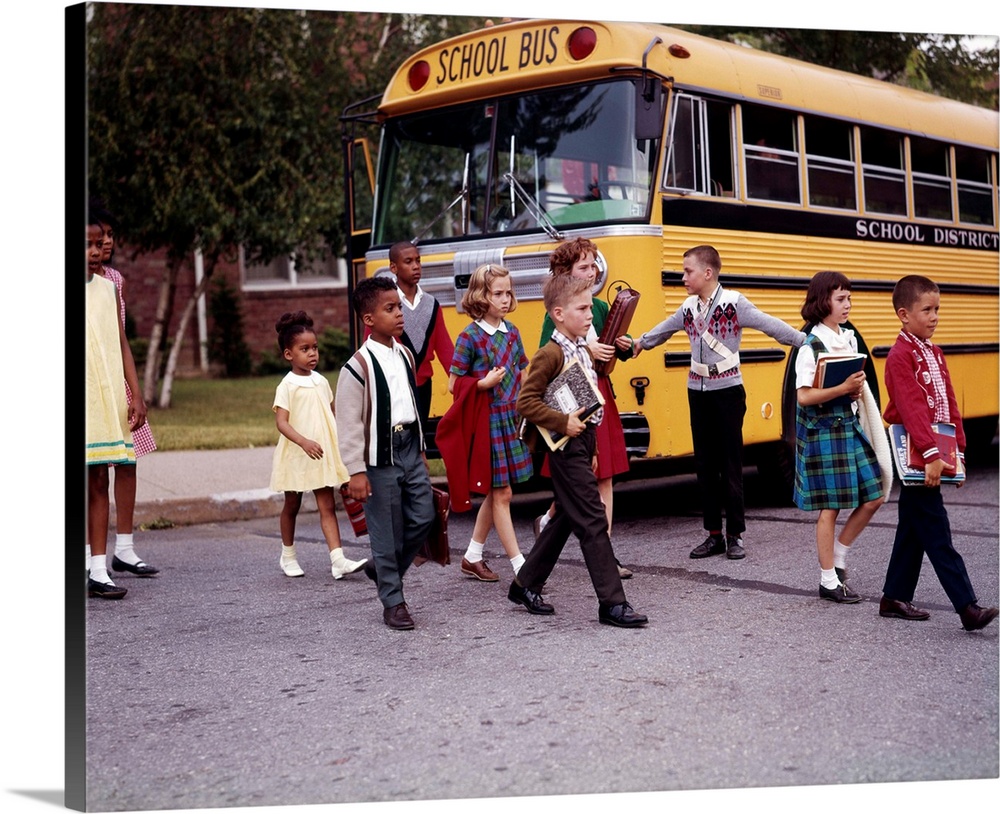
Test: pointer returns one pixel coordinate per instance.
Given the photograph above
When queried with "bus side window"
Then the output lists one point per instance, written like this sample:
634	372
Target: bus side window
830	163
770	147
884	174
700	157
975	190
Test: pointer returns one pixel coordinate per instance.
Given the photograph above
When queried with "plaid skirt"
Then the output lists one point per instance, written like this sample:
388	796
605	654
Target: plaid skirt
510	458
835	465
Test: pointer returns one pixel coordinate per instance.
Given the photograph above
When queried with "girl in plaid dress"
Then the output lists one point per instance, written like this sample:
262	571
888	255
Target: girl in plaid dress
835	464
490	351
124	557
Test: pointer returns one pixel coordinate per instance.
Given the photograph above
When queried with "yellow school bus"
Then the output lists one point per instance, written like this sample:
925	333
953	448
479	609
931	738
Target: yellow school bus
496	145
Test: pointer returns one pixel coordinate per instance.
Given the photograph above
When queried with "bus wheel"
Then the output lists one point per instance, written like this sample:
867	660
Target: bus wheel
776	467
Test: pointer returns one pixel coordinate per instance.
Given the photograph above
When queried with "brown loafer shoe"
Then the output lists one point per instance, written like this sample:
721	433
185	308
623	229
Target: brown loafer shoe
894	609
976	618
480	570
398	617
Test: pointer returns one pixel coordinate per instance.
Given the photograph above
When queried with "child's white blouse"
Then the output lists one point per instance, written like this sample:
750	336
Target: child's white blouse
842	341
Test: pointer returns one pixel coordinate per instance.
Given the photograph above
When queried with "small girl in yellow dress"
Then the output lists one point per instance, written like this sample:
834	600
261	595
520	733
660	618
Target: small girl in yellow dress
307	456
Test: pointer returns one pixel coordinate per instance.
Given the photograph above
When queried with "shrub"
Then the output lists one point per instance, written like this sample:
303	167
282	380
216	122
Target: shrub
334	348
226	343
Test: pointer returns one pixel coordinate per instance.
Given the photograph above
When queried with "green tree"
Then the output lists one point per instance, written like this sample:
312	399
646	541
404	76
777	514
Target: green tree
216	129
945	64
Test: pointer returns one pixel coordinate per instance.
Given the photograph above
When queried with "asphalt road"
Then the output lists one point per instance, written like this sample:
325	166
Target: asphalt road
249	688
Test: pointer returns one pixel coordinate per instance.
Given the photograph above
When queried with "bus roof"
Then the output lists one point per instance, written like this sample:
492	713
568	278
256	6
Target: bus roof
535	53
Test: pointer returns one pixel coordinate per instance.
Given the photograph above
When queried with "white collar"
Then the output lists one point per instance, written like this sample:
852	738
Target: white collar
707	301
490	329
381	351
834	340
416	299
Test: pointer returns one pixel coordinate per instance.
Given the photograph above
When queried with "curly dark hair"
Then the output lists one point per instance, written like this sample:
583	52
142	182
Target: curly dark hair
290	325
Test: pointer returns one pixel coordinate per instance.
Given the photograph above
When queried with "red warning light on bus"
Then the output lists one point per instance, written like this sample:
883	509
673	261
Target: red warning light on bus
581	43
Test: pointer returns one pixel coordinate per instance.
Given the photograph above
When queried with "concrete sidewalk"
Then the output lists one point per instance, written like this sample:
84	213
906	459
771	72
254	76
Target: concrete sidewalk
206	486
186	487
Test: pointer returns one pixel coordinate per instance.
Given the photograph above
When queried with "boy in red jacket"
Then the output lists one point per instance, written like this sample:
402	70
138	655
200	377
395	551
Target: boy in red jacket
920	394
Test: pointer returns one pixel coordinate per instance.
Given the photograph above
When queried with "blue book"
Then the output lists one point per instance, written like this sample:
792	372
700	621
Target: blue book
835	368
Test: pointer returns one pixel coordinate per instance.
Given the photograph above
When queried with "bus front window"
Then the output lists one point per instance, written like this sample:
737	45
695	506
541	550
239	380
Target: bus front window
571	151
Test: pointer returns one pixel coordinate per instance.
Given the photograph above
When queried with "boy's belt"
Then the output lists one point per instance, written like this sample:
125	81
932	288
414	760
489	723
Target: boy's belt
715	368
402	427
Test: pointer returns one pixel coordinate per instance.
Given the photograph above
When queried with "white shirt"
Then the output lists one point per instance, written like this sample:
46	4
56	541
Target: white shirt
842	341
416	299
394	368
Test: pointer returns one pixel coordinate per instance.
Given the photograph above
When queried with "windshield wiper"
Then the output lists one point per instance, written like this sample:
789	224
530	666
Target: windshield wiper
462	196
534	207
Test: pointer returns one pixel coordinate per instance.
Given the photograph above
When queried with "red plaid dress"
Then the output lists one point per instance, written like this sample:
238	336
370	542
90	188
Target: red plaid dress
142	438
476	353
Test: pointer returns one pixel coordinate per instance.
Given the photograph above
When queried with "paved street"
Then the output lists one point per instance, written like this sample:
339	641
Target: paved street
249	688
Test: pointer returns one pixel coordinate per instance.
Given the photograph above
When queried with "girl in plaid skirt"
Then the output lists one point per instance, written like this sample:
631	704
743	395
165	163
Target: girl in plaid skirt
835	463
490	351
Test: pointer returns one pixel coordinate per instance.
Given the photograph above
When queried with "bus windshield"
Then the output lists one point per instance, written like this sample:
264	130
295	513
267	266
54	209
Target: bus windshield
539	160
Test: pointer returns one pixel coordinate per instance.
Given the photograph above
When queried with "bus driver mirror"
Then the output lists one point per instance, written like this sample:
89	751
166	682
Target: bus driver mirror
648	109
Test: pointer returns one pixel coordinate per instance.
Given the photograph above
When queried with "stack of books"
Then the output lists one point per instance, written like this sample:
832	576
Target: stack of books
567	393
910	463
835	368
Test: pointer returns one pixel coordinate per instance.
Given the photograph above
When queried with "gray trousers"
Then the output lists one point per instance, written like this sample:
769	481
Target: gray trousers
399	514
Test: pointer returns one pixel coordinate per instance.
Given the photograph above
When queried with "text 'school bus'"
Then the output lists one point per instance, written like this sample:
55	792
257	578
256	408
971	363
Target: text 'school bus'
497	145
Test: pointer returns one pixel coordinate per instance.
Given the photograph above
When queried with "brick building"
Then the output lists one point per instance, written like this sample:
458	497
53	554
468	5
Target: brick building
264	292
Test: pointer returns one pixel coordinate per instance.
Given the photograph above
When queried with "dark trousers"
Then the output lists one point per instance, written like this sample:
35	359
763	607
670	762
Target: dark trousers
579	511
923	528
717	435
399	514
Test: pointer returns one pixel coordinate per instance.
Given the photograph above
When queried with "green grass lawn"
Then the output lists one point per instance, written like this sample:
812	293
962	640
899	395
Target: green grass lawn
218	414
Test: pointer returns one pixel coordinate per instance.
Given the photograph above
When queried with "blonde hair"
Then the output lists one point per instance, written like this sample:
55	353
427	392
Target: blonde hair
475	301
560	289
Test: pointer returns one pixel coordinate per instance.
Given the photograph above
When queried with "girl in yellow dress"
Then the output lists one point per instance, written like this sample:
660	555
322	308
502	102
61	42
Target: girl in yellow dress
110	418
307	456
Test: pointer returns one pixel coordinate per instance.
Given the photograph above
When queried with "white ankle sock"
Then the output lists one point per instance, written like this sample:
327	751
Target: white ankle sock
99	569
474	553
516	563
336	555
840	554
828	579
288	552
123	549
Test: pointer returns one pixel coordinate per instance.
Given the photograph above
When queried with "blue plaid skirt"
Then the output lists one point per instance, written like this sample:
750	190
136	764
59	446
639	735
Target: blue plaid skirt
835	465
510	458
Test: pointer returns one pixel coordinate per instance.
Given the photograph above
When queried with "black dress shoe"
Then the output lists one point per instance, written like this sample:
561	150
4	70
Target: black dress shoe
841	594
713	545
976	618
140	569
841	574
398	617
104	590
894	609
734	548
531	600
622	615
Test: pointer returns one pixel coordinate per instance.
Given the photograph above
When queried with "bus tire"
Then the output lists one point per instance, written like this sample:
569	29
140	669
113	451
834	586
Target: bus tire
776	468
